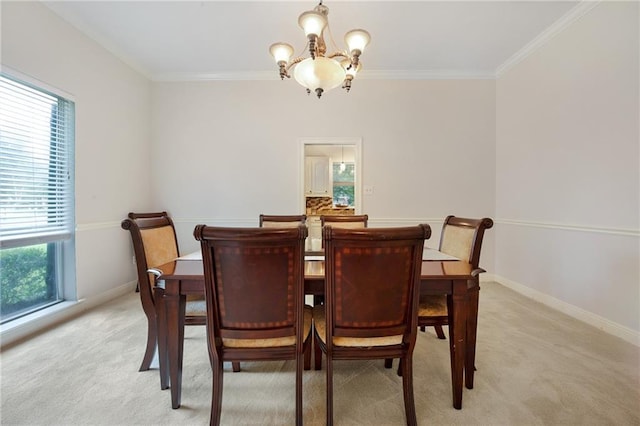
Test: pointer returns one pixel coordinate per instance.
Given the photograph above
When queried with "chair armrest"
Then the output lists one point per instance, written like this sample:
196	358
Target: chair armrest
477	272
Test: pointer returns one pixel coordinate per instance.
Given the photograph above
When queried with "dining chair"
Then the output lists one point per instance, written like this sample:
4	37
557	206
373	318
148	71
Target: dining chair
282	221
277	221
155	243
254	289
372	285
461	238
345	221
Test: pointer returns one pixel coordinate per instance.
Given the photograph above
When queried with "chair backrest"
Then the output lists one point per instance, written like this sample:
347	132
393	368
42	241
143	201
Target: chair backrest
372	281
154	243
462	237
254	282
282	221
345	221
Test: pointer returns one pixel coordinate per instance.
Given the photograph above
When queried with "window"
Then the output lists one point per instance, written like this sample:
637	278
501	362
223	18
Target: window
344	184
36	198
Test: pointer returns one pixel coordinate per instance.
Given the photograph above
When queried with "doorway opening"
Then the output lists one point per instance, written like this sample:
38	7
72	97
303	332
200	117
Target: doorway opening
331	171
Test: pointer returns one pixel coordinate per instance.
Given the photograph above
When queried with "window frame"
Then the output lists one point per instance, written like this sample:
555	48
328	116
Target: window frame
63	239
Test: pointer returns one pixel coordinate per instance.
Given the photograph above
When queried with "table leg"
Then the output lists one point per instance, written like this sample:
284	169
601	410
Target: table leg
175	305
457	307
472	329
161	321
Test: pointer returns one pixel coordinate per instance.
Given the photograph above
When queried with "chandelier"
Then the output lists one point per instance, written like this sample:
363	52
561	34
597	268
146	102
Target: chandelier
321	71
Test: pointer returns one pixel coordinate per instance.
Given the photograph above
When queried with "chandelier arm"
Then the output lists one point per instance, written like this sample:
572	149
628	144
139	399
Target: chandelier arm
338	54
294	61
328	30
303	51
321	46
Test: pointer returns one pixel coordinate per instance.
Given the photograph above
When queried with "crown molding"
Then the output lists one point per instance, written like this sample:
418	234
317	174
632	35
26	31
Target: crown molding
554	29
426	75
216	76
365	75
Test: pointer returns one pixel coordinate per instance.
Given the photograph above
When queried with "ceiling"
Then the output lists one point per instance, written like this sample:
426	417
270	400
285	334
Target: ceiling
195	40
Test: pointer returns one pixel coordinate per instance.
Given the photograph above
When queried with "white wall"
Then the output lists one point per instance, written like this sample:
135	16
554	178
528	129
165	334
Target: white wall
567	171
233	149
112	135
550	151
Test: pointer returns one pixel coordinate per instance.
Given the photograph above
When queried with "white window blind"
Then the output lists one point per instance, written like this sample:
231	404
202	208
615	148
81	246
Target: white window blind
36	165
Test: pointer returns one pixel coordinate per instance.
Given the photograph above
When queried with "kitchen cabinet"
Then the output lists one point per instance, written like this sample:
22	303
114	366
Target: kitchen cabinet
317	177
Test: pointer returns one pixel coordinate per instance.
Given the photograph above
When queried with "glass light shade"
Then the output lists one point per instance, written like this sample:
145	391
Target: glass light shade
281	51
320	73
357	40
350	70
312	23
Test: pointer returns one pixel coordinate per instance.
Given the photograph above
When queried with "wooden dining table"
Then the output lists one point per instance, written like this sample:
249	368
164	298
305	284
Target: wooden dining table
184	276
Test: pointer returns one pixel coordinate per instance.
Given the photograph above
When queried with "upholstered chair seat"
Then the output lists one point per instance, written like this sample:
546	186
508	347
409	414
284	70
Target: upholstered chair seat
433	306
320	322
275	341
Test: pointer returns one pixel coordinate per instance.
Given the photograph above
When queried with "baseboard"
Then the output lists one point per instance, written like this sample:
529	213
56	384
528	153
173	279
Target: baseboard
580	314
22	328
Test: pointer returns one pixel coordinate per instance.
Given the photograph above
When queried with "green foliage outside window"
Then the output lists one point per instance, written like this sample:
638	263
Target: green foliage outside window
23	278
343	184
344	193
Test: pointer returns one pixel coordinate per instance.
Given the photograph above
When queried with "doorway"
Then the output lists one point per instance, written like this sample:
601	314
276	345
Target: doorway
344	155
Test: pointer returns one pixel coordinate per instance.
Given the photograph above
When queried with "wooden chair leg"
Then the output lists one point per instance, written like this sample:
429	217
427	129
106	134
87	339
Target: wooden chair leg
235	365
388	362
317	353
439	332
329	392
423	328
307	353
407	388
300	360
152	341
216	394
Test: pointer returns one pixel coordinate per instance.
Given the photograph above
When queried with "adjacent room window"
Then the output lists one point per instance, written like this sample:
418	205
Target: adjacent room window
344	184
37	259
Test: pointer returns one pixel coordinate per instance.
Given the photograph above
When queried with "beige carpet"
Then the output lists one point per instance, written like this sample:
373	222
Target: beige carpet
535	367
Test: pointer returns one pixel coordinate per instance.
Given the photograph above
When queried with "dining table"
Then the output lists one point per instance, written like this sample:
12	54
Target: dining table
440	274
